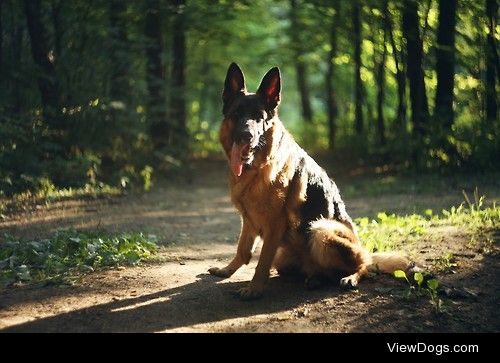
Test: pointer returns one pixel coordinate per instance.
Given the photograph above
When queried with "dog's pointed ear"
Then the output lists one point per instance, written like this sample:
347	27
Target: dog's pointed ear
234	85
270	88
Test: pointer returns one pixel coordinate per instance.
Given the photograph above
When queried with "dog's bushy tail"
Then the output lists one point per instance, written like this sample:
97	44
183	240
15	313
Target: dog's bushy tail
388	262
334	245
332	242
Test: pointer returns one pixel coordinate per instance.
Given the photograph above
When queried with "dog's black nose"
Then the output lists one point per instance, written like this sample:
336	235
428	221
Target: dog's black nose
244	137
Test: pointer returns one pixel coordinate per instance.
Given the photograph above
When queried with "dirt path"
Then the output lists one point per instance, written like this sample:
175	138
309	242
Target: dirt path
194	219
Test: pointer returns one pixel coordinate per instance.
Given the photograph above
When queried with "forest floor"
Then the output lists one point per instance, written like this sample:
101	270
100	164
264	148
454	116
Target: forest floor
193	218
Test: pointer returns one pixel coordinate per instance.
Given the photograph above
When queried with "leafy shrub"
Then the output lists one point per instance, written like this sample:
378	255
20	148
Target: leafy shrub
68	253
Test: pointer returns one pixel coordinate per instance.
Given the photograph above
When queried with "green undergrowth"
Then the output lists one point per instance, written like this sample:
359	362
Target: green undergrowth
389	231
47	193
69	254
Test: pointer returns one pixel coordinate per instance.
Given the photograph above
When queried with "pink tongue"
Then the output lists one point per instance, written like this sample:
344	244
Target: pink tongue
236	163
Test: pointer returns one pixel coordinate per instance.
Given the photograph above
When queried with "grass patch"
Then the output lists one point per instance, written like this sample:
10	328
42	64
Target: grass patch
48	193
445	263
69	254
387	232
471	216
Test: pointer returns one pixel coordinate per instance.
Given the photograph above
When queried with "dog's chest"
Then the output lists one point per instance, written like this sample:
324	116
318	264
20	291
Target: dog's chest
256	198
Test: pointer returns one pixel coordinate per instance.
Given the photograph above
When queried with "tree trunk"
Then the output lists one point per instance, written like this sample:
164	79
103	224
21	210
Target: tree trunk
43	57
445	64
15	60
491	63
119	68
356	21
1	41
300	66
381	78
331	101
56	7
178	94
415	73
159	127
399	61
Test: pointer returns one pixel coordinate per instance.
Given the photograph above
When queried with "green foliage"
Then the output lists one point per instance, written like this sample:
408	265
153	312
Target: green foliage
419	287
399	274
388	231
444	263
419	279
46	193
147	174
437	303
104	135
69	253
473	218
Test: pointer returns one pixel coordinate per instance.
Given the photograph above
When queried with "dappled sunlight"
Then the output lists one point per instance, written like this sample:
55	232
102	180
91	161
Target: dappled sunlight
145	303
175	293
116	121
156	309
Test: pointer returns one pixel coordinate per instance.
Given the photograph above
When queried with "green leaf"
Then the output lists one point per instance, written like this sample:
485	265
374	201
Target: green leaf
86	268
382	216
399	274
70	252
419	278
433	284
23	273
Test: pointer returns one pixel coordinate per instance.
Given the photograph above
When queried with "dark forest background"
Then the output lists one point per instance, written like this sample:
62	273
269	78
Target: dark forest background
117	91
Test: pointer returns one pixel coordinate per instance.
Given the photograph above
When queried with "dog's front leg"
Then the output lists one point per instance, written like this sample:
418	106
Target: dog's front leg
272	239
243	254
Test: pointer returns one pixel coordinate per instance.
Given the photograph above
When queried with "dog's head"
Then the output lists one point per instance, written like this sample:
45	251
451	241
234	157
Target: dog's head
247	116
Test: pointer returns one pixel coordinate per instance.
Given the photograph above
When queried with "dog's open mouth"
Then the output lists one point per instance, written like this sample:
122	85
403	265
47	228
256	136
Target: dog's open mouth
240	155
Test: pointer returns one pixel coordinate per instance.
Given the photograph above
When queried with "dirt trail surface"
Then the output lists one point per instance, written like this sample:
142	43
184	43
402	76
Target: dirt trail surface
198	227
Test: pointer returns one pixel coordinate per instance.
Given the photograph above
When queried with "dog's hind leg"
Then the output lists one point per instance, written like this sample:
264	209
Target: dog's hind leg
335	247
244	252
353	279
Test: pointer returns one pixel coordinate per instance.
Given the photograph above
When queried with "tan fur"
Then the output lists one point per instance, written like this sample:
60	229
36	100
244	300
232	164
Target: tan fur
270	196
328	239
329	235
388	262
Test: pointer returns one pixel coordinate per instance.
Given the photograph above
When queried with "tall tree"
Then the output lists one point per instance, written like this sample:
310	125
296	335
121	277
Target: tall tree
358	84
331	100
118	41
415	73
445	64
159	128
399	61
178	95
43	56
56	10
1	40
381	75
492	63
15	59
300	65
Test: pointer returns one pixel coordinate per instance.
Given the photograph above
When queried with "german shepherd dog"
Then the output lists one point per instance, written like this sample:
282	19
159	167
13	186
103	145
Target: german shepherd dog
284	197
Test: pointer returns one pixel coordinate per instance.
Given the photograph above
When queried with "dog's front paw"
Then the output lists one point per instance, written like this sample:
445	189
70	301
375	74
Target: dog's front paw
250	292
220	272
349	282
